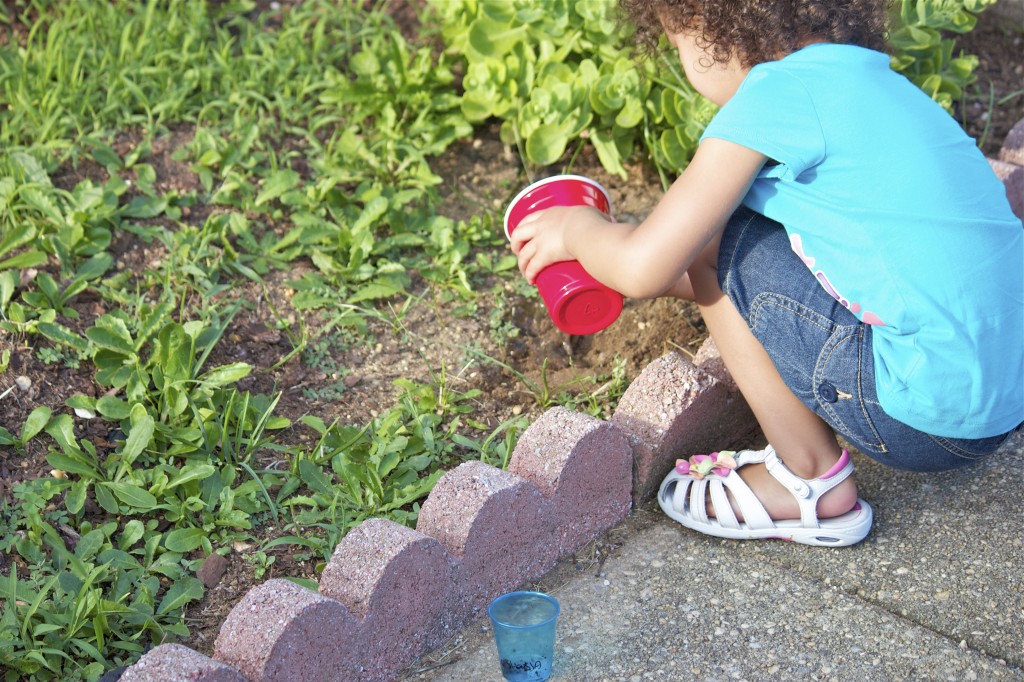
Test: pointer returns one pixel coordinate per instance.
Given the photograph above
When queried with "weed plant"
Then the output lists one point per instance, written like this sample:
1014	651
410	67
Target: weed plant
310	131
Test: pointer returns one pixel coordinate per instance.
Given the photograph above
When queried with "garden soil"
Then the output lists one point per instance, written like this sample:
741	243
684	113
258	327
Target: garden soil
428	336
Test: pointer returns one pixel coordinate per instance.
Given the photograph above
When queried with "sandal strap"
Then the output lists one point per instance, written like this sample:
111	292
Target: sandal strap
755	516
697	497
720	502
690	496
808	491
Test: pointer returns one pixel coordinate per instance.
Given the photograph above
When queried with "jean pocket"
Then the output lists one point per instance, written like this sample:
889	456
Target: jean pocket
792	334
844	382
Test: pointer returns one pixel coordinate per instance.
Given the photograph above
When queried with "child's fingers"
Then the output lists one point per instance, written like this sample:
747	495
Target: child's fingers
516	244
531	260
526	255
523	234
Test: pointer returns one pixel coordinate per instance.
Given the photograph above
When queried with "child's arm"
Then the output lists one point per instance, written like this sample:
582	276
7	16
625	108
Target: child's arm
644	261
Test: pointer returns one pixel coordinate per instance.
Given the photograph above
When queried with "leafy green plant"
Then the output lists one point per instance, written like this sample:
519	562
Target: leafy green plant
497	448
162	62
33	426
678	117
88	599
555	75
261	562
403	104
598	395
69	358
56	296
311	139
379	469
126	579
198	471
46	220
321	355
925	50
383	468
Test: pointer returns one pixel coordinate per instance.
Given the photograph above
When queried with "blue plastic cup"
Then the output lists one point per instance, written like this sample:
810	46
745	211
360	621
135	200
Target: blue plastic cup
524	630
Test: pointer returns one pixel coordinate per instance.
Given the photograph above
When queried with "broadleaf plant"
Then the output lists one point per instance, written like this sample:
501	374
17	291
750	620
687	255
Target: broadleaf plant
555	75
561	74
924	49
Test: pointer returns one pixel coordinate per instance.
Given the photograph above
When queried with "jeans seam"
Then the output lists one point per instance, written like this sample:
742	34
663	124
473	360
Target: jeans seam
859	331
954	449
732	254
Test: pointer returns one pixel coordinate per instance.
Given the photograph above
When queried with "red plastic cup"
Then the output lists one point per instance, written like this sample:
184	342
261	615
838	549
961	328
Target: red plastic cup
577	303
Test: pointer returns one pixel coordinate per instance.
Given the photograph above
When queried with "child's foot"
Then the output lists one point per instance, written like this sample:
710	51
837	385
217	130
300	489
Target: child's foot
752	494
781	504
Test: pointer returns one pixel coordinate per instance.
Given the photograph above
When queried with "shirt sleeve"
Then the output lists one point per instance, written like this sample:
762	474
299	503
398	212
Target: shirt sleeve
773	113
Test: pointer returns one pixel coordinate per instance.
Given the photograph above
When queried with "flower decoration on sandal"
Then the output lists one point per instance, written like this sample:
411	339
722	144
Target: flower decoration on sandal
699	466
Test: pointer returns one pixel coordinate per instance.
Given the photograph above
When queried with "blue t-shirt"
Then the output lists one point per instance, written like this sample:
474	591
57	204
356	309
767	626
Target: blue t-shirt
899	216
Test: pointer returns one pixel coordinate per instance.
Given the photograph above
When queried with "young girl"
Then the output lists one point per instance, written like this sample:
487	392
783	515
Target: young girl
853	255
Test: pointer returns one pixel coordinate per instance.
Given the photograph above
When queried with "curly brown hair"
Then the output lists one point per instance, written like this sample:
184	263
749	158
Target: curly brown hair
759	30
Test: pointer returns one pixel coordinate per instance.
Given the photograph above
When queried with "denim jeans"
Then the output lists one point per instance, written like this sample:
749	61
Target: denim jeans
821	350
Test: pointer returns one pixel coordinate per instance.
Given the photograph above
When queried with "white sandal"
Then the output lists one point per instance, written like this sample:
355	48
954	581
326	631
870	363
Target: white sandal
684	492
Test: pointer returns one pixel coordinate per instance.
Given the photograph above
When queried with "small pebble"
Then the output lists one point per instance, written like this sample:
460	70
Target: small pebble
23	382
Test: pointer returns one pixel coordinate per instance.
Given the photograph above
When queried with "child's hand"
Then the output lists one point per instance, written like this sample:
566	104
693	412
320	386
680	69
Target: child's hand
542	238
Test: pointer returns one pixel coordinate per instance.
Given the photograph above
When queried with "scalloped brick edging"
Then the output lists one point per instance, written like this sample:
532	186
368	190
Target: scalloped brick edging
390	594
176	662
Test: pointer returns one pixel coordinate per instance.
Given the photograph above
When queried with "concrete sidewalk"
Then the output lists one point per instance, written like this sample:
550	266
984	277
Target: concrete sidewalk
936	592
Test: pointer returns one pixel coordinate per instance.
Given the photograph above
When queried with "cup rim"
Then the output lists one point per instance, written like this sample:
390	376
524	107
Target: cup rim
554	178
518	593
